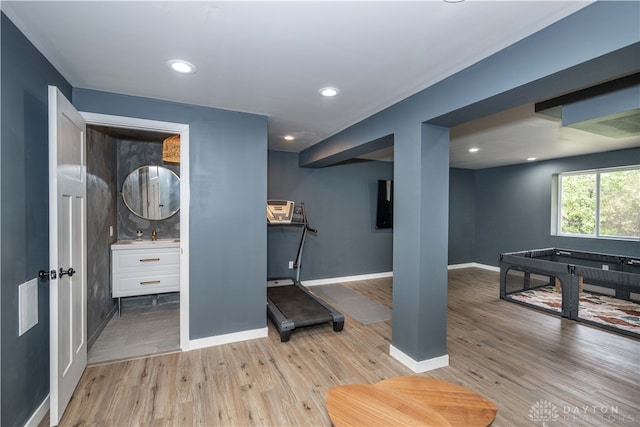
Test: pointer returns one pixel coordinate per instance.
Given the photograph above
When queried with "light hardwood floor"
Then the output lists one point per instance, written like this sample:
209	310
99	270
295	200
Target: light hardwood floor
515	356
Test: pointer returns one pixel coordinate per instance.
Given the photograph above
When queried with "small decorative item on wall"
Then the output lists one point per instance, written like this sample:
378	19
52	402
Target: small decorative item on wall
171	149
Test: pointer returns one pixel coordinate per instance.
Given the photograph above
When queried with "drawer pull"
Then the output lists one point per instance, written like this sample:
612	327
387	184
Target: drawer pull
150	282
149	259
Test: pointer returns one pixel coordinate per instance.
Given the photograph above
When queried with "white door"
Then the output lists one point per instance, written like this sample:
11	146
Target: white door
67	251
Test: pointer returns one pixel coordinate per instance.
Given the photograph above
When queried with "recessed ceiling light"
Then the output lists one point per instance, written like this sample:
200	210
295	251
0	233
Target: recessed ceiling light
289	137
329	91
531	159
474	150
180	66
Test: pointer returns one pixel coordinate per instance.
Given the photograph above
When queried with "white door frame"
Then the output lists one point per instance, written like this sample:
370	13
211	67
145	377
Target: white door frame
183	130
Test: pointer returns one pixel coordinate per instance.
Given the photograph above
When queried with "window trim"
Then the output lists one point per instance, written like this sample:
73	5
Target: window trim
556	203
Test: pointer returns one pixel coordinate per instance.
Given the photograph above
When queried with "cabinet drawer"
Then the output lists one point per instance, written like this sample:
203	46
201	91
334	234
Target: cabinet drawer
168	259
130	285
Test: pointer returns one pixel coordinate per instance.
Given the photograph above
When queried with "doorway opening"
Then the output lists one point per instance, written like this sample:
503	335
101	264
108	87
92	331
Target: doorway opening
154	318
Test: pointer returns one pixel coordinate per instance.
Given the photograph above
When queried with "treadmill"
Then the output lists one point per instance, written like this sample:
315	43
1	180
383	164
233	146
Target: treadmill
289	304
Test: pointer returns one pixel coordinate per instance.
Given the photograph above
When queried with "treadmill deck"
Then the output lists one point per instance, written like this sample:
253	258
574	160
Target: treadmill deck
293	306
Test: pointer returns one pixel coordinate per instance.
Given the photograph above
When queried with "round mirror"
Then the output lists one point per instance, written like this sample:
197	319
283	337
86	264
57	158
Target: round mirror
152	192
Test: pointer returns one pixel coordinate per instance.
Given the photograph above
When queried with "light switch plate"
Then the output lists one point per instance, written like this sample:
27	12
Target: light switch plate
28	306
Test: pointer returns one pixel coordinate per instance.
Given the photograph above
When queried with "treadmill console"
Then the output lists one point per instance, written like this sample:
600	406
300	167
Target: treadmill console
280	211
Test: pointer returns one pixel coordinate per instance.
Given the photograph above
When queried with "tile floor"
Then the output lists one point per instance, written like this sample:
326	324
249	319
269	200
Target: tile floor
140	331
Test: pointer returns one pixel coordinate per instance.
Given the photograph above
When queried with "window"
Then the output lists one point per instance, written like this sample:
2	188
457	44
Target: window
600	203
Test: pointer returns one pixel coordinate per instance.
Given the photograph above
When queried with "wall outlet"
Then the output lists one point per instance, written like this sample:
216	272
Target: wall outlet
111	231
290	265
605	267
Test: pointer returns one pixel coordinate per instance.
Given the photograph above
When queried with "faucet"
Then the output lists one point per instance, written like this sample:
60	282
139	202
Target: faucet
154	235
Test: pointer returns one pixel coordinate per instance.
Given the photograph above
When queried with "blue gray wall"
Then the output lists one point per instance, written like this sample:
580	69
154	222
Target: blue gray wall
228	164
341	205
24	242
334	255
513	207
462	221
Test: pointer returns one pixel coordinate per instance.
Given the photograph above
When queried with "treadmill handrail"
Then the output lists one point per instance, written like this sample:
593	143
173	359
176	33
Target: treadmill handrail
298	262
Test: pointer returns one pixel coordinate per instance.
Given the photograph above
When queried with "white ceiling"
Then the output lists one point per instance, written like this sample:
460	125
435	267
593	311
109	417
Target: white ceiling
271	58
512	136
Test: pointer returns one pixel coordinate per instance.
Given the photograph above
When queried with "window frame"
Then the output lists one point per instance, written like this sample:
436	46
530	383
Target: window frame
556	203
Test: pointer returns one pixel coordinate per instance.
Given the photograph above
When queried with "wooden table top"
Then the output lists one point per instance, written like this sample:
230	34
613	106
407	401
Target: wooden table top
408	401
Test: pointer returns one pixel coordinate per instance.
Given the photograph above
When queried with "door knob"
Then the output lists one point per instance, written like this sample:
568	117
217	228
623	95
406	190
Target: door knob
46	275
70	271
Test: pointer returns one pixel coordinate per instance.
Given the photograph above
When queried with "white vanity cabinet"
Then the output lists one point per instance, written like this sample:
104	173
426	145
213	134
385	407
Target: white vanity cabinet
143	268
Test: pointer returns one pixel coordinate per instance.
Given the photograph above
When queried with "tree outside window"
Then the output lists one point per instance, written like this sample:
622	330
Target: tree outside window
603	203
620	203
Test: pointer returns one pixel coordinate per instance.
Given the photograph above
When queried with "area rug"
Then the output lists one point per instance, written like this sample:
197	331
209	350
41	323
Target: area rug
593	307
353	303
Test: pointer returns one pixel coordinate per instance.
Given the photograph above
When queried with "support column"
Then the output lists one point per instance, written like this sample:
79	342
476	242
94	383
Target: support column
420	241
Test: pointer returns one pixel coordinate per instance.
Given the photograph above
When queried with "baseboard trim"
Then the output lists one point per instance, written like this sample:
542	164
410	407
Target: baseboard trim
344	279
39	414
419	366
228	338
473	264
92	339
